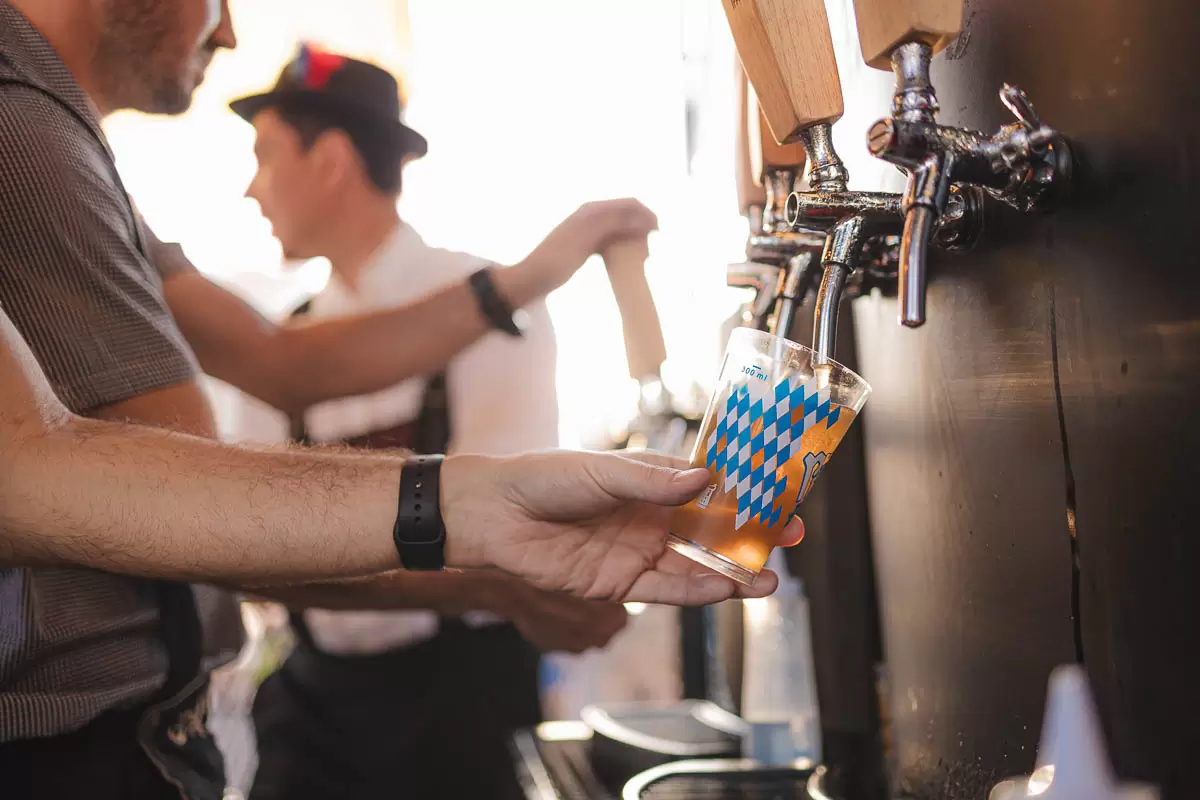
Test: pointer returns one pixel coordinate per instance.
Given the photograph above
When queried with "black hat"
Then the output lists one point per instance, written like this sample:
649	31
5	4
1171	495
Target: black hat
342	90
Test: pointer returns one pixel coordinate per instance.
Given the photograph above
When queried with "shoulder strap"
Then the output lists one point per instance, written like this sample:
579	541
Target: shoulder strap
297	430
433	436
433	422
433	419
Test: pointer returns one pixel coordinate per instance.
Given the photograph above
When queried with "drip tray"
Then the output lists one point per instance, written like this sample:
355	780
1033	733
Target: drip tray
629	739
687	750
724	779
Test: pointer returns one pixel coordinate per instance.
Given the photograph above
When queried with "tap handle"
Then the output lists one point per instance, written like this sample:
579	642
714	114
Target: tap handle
645	350
884	25
770	154
1016	101
762	278
747	178
1016	151
776	167
788	55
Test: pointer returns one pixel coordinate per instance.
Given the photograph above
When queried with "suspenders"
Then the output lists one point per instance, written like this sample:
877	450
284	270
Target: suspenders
429	433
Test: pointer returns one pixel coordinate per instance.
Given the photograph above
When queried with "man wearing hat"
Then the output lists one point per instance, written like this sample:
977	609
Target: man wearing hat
103	672
370	704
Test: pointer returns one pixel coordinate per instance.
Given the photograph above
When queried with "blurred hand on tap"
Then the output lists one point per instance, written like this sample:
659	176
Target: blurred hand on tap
586	232
593	525
554	622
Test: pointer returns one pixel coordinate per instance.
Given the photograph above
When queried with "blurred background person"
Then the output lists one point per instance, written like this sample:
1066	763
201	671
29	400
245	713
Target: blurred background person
369	701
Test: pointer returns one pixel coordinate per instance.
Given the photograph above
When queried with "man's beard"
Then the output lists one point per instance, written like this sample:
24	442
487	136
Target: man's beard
134	67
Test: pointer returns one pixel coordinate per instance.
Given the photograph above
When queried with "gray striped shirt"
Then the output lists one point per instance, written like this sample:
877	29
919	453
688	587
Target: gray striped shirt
75	280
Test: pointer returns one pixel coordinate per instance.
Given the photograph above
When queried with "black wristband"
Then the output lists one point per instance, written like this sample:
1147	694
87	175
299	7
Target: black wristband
493	307
419	533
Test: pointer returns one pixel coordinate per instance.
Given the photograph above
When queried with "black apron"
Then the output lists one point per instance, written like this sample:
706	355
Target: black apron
430	720
162	751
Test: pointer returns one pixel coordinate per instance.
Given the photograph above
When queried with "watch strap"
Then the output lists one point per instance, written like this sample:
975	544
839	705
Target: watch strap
419	532
493	307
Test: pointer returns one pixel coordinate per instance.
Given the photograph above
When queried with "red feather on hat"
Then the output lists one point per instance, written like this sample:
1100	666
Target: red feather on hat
321	66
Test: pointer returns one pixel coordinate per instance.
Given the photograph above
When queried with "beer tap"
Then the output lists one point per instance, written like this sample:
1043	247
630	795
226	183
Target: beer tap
780	261
751	194
759	275
775	167
788	55
851	219
797	252
1026	164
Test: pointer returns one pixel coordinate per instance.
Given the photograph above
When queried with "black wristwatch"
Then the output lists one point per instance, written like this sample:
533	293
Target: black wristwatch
494	307
419	533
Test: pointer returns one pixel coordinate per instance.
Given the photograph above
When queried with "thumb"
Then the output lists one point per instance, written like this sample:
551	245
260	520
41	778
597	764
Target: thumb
627	479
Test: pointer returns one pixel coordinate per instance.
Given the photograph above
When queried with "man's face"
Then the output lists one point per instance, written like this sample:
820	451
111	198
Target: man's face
152	54
288	186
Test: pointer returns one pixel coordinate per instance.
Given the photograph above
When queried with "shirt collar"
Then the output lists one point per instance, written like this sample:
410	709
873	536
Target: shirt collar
36	61
386	260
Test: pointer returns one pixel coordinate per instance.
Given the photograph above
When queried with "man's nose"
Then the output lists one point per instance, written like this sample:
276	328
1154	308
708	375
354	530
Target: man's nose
223	36
251	192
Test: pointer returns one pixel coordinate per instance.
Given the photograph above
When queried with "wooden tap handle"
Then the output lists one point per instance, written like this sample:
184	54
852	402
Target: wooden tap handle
645	350
747	178
884	25
788	55
770	153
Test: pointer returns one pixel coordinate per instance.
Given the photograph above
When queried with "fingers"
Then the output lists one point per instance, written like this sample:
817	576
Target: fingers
685	589
679	581
765	584
597	627
611	622
616	220
699	589
627	479
637	218
655	458
628	214
793	533
554	623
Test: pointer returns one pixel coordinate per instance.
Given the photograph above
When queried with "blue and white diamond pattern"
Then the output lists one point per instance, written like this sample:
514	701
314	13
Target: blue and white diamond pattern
732	446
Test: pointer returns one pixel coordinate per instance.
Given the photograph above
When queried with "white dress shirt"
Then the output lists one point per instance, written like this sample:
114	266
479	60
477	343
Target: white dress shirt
502	399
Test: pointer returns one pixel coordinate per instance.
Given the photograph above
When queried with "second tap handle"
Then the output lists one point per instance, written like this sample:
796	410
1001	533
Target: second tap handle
787	52
767	154
645	350
883	25
777	167
747	177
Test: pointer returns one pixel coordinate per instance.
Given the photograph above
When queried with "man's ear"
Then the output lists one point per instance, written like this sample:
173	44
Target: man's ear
333	157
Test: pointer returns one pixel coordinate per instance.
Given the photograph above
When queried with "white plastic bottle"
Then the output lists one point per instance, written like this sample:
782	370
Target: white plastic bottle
779	689
1072	762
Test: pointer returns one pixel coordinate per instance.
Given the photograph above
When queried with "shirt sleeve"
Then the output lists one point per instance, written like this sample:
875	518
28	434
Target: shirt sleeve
167	258
73	276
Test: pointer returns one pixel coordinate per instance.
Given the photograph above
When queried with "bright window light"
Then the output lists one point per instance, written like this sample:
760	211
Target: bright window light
531	107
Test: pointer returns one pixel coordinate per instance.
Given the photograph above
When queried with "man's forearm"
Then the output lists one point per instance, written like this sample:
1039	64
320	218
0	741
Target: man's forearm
294	366
331	358
142	501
